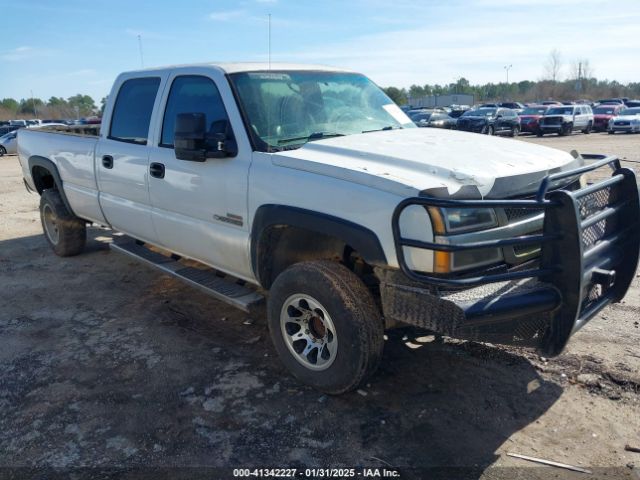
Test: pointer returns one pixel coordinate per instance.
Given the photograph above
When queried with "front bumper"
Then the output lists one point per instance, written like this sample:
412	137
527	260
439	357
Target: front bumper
590	246
625	128
472	127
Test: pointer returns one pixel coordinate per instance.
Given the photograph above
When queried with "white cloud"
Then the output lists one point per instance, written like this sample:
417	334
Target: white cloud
226	15
19	53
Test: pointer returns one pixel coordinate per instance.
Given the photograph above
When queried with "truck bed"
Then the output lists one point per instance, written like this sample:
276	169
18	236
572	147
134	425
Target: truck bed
74	156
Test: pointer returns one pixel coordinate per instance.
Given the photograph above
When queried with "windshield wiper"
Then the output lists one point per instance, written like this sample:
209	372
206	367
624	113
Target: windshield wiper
389	127
313	136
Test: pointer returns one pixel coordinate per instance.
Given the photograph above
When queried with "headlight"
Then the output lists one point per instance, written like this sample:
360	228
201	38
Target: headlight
458	220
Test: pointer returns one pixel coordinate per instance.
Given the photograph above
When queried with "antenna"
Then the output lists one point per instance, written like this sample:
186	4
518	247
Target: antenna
140	47
269	41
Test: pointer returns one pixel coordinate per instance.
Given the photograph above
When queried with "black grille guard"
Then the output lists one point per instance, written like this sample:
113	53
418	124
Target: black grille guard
590	246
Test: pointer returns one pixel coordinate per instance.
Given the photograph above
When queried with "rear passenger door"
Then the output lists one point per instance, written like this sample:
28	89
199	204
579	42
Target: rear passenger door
122	156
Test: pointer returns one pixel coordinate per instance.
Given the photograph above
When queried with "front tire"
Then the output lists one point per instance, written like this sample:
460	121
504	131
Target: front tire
64	232
325	326
490	130
3	151
566	129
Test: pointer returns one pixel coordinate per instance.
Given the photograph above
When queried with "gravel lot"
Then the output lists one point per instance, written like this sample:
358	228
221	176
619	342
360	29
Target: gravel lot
106	364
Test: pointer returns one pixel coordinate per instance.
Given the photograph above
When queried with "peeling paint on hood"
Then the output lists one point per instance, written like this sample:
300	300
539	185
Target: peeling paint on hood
434	161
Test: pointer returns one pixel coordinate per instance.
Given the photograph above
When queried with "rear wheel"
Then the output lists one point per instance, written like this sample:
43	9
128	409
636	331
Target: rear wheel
515	131
65	233
587	130
490	130
325	326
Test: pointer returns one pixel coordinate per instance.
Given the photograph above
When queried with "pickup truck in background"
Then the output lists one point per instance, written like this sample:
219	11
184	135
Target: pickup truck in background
307	189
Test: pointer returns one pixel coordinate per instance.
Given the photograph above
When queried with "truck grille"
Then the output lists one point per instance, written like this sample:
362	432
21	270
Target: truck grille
588	205
552	121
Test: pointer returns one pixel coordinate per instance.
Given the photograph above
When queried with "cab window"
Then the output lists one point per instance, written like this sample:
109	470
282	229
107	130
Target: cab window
132	110
193	94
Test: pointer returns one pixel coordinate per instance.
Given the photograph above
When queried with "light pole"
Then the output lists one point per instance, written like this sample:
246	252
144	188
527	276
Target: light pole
507	68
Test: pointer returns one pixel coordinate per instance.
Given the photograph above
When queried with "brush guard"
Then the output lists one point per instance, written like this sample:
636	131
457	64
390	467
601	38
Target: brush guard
590	245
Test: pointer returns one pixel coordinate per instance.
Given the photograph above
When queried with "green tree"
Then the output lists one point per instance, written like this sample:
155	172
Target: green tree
85	104
398	95
10	104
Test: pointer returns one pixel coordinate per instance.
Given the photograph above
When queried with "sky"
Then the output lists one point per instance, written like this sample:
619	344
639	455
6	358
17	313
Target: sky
65	47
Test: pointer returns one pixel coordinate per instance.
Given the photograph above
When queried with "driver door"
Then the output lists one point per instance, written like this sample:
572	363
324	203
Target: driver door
199	209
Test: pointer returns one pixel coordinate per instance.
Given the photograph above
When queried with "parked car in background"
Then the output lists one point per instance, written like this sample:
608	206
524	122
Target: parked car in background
490	121
566	119
530	118
8	143
633	103
458	110
550	102
440	120
420	118
7	128
603	113
610	101
515	106
628	120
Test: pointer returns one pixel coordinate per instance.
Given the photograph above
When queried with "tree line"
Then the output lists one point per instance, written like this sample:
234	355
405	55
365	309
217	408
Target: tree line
559	81
55	108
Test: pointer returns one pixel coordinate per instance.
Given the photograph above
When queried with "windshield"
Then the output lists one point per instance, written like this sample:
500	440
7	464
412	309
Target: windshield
604	111
560	111
480	112
286	109
630	111
534	111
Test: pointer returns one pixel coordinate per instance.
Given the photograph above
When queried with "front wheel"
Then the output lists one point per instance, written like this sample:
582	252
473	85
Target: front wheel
611	132
65	233
3	151
566	129
325	326
490	130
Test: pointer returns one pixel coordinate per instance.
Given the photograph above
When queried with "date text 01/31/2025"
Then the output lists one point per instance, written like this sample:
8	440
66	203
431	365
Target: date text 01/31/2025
316	473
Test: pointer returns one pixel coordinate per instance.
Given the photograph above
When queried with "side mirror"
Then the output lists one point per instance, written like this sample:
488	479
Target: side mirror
192	141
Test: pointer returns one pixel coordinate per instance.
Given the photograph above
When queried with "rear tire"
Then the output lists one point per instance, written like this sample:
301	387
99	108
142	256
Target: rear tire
587	130
490	130
515	131
65	233
325	326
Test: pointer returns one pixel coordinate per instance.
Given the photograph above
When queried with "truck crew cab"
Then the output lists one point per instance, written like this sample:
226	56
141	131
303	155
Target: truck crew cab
307	187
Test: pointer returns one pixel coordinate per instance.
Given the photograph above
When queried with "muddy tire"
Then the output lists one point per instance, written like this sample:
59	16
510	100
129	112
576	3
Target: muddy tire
325	326
65	233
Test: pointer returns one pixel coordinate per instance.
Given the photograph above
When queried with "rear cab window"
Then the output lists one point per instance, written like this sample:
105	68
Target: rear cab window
132	110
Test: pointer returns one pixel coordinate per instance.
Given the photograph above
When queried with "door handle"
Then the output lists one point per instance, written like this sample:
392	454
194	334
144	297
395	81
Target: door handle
107	161
156	170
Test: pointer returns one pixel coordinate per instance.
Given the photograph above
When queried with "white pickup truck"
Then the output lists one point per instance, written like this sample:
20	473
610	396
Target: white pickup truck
308	186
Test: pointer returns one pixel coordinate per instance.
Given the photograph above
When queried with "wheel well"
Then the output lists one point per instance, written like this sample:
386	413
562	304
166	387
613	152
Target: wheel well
280	246
42	178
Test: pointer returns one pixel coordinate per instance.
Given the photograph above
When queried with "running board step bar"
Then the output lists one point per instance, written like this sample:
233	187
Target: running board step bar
218	285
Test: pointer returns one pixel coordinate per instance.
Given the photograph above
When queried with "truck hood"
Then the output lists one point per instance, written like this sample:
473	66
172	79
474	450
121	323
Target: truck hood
436	162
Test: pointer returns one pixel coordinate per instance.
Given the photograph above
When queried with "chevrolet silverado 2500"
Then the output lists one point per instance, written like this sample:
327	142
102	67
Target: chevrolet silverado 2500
308	187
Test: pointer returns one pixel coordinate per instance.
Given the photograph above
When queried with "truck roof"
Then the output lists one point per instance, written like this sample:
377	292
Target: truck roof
236	67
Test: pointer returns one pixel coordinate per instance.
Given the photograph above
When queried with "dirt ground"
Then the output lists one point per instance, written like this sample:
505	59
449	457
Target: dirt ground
107	365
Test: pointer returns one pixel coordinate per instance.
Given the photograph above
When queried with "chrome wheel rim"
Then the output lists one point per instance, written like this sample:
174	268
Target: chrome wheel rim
308	332
50	221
